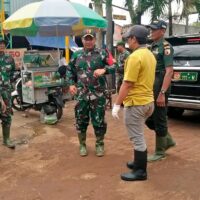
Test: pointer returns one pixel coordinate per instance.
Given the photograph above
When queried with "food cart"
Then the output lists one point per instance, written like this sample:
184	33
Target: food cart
38	76
41	85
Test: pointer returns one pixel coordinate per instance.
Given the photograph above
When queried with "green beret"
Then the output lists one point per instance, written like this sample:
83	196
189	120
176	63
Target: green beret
122	43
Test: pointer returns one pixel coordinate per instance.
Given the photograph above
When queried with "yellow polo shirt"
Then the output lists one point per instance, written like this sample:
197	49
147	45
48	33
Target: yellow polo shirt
140	69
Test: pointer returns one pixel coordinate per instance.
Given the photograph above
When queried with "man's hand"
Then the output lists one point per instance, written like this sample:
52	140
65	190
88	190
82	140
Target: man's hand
161	100
115	110
3	106
73	89
99	72
114	60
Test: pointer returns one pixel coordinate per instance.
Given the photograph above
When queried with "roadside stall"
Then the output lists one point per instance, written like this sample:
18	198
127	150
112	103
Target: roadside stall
39	75
40	86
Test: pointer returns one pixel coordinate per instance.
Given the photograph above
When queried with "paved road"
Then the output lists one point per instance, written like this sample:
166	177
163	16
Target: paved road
46	164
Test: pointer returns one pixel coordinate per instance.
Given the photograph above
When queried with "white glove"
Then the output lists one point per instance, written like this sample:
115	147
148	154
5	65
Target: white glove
115	110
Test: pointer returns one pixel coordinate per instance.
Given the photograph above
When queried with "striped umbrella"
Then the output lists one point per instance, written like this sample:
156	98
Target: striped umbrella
52	18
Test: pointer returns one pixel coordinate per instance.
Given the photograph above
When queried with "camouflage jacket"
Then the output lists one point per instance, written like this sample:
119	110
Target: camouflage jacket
80	73
121	60
7	68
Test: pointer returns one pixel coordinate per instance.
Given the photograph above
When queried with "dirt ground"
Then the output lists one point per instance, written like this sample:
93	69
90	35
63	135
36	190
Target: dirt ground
46	164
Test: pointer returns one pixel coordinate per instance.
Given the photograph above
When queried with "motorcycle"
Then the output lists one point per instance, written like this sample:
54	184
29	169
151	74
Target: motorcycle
54	104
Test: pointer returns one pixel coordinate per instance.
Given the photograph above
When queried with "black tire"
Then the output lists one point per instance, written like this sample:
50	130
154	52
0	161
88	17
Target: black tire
59	112
175	112
16	103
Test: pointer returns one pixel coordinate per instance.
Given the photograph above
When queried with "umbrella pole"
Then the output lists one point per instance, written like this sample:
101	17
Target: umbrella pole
67	49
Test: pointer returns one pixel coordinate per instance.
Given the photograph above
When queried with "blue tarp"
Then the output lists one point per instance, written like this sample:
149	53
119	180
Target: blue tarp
54	42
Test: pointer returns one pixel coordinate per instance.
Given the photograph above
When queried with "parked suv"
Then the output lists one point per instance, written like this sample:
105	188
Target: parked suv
185	90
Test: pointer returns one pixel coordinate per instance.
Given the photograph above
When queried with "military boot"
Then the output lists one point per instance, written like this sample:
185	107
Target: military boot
6	137
82	147
170	142
100	146
160	149
139	172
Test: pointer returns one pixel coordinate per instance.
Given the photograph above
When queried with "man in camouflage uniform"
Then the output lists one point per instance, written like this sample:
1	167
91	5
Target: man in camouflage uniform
163	52
85	75
7	68
123	54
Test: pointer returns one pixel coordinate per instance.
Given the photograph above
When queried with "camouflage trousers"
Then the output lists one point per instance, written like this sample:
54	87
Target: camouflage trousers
94	110
6	117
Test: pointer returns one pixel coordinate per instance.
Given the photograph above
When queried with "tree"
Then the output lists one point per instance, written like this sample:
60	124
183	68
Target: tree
189	7
155	7
170	17
129	5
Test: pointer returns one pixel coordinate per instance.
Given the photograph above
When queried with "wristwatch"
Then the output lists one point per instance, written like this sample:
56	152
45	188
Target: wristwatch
162	91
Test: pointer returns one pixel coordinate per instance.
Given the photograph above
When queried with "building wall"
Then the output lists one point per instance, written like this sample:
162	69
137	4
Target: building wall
179	29
117	34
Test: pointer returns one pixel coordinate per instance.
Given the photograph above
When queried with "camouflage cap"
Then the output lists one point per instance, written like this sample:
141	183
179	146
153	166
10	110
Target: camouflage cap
89	32
138	31
158	24
120	43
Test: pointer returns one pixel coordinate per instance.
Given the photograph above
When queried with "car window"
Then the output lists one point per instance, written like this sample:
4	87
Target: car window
192	51
187	55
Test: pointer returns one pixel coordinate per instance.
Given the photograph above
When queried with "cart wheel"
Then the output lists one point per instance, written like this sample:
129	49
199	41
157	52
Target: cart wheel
16	103
59	112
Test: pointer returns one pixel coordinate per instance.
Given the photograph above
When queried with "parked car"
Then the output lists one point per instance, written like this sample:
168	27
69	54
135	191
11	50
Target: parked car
185	90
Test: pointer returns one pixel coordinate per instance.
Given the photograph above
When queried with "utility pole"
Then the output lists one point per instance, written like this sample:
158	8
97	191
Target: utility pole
99	9
109	34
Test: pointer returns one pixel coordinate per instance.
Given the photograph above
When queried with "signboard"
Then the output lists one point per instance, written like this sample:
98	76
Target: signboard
119	17
17	55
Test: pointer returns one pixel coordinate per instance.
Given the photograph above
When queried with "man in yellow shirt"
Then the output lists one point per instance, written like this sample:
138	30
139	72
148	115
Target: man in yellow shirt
136	93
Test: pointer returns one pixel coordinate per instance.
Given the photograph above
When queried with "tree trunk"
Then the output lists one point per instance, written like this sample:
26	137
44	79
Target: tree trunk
139	13
187	24
109	33
170	18
99	9
129	4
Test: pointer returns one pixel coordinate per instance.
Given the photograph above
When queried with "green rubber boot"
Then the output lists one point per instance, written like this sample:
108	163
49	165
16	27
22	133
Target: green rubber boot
82	147
6	137
100	146
160	149
170	142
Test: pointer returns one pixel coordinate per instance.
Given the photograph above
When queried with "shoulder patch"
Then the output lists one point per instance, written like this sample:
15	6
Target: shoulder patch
166	44
167	52
167	49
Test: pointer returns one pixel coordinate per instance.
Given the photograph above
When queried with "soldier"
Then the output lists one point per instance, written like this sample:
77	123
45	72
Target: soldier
7	68
163	52
85	74
123	55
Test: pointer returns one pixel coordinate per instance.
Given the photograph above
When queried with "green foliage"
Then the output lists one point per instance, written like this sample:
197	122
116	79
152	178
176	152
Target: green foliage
196	24
157	8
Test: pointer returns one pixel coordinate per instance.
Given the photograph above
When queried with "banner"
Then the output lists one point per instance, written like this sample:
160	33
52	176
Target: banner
17	55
